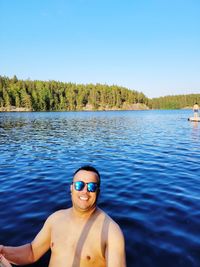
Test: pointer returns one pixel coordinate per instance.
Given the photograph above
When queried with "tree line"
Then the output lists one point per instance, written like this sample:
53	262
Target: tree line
59	96
175	101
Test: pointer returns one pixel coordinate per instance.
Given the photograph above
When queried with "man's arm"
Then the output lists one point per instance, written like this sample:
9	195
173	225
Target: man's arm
115	249
17	255
29	253
4	262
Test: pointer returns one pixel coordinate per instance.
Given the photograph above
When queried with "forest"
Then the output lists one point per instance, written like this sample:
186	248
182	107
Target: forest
174	101
60	96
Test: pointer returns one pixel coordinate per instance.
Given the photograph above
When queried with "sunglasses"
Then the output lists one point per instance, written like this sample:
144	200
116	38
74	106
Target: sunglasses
91	187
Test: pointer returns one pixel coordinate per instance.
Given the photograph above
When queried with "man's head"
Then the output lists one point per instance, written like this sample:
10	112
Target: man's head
85	188
90	169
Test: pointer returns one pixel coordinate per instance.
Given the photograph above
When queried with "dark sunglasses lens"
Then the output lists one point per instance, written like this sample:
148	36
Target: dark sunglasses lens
92	187
79	185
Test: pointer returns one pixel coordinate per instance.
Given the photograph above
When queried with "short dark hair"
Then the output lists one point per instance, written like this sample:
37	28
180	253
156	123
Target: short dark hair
89	168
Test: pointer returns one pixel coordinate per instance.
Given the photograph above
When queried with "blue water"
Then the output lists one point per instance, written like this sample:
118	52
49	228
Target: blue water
150	167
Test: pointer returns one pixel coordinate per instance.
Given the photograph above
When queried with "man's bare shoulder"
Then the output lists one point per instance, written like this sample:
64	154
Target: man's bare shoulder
58	216
109	221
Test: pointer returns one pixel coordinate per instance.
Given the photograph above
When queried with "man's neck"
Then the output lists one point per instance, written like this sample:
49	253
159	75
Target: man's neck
83	215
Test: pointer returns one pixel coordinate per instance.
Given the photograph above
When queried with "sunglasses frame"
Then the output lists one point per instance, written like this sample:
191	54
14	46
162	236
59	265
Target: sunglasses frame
95	183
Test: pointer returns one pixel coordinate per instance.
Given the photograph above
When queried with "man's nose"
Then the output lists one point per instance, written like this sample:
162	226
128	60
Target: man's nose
85	188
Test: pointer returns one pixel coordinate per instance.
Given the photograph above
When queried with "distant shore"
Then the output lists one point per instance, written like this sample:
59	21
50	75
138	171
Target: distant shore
137	106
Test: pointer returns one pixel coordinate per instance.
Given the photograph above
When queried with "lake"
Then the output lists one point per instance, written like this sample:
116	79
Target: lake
149	162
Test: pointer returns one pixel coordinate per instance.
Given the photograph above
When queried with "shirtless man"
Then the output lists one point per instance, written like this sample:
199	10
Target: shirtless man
196	110
81	236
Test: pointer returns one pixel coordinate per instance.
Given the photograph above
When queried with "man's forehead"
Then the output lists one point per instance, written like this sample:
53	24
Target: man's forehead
83	174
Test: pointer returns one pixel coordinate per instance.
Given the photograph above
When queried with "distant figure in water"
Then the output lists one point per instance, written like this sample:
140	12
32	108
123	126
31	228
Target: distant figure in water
196	110
81	236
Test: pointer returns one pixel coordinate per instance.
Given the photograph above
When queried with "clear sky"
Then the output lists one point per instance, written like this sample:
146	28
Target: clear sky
152	46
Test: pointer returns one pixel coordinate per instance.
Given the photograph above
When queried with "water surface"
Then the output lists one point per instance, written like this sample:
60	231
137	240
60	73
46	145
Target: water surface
150	167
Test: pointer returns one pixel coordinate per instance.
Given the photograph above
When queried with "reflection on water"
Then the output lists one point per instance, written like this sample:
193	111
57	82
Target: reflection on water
149	162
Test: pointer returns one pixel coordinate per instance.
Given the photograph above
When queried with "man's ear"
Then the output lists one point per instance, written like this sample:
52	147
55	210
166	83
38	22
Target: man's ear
71	188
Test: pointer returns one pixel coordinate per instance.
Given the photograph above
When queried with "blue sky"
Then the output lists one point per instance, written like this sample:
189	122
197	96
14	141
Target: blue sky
152	46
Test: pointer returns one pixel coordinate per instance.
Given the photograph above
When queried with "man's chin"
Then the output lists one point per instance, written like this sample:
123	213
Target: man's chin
86	208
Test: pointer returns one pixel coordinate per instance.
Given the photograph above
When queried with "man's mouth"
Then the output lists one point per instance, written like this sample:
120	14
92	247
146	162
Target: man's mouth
83	198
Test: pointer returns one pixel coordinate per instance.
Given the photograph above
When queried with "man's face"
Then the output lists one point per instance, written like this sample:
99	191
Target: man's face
84	200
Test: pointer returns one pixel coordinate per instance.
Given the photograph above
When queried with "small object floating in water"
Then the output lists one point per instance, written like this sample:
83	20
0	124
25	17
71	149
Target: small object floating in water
194	119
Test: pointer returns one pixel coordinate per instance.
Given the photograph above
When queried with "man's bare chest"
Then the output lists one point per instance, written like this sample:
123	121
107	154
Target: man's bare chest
82	244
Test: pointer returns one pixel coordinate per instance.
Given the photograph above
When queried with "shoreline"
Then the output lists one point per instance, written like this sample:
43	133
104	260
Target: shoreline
137	106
